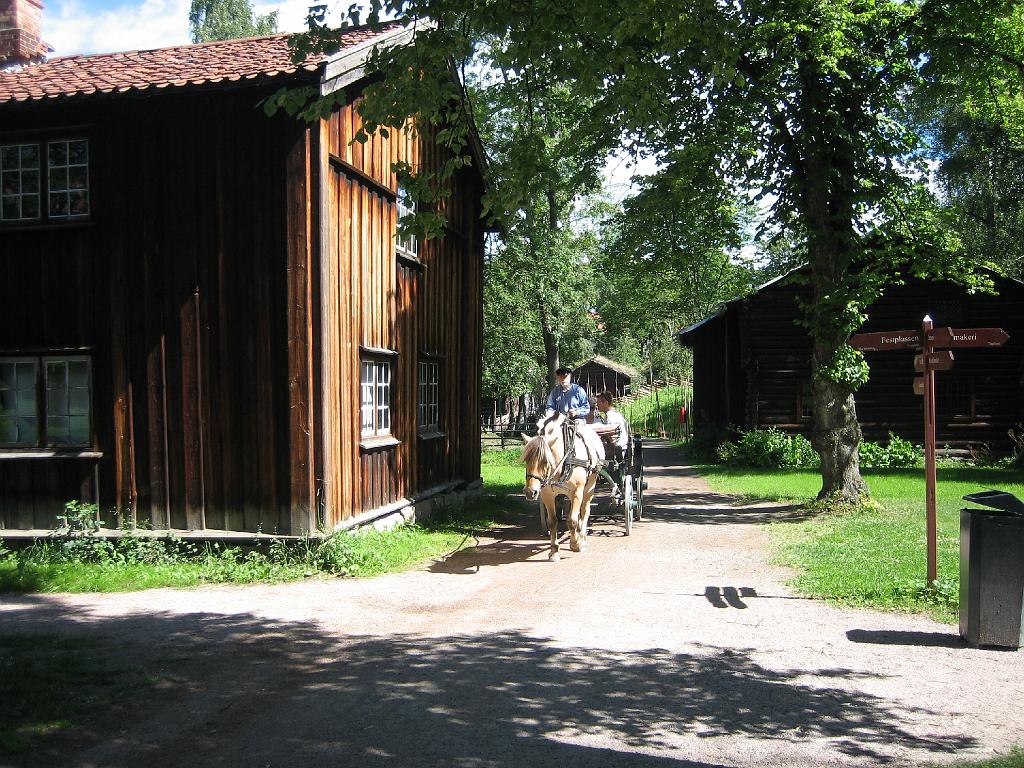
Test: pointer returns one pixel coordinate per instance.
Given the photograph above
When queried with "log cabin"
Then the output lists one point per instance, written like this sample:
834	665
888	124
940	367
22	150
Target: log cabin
600	374
207	319
752	364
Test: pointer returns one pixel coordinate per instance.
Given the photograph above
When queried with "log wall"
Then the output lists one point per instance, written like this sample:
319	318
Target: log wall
177	286
977	401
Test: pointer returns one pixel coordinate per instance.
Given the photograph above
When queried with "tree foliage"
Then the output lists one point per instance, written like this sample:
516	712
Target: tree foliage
806	103
227	20
978	144
672	250
981	175
536	184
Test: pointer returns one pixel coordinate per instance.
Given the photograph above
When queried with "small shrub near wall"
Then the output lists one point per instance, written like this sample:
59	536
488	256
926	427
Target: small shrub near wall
897	453
773	449
769	448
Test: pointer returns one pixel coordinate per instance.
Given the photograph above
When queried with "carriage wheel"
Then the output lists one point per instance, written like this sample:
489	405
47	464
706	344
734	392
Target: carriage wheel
628	502
640	496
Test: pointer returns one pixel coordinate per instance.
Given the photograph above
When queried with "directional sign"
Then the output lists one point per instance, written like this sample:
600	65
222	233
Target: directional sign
928	340
968	337
937	361
877	342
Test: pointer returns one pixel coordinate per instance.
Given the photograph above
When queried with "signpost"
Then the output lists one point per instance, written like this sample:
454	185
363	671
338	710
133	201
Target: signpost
937	361
934	345
942	338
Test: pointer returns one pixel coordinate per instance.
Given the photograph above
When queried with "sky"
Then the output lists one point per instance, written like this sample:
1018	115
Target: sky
103	26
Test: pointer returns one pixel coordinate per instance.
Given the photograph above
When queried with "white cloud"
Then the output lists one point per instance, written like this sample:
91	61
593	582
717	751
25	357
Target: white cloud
291	15
72	28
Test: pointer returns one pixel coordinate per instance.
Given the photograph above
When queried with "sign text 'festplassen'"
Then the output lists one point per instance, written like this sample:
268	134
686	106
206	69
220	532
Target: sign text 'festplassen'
875	342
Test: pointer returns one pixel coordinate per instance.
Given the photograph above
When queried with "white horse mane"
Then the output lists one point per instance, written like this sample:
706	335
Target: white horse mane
538	453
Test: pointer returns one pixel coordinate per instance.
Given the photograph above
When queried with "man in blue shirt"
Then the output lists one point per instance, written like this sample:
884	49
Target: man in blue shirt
568	398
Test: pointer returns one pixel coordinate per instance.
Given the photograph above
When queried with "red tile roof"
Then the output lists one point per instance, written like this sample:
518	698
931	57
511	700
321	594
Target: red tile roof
254	58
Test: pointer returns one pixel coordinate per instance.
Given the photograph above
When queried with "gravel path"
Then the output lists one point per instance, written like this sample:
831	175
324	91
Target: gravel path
677	646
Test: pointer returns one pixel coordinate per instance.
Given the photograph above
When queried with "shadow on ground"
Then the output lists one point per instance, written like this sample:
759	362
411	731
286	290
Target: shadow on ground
710	508
241	690
949	639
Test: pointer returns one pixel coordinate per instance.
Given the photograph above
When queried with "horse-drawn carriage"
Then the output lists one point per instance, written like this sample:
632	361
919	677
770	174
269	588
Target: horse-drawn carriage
563	465
625	476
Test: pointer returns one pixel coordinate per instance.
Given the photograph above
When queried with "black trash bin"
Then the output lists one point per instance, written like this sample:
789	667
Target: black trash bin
992	570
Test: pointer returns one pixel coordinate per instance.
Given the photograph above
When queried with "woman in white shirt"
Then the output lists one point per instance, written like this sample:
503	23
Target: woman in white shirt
612	427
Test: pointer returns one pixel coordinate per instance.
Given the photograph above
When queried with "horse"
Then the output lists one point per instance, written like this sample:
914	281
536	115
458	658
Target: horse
550	473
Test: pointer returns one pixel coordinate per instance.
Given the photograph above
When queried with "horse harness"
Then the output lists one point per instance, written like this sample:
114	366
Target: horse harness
569	461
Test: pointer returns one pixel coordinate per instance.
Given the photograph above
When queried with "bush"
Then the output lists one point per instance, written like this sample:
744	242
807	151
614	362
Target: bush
1016	434
773	449
702	448
898	453
769	448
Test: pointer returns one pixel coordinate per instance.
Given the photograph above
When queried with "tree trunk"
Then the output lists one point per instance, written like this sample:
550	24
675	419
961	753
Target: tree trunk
551	351
837	435
551	356
827	203
836	438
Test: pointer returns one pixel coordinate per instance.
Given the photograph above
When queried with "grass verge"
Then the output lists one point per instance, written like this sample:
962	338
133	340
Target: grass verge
1013	759
874	556
93	564
53	684
653	412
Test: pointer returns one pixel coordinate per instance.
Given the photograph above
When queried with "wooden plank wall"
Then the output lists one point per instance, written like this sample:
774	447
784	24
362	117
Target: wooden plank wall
190	284
779	361
49	299
225	348
711	404
373	302
994	375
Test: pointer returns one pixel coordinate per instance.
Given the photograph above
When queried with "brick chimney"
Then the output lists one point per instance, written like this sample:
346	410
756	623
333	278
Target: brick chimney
20	29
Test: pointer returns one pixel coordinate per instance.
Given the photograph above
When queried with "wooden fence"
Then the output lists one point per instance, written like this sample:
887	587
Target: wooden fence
504	432
503	436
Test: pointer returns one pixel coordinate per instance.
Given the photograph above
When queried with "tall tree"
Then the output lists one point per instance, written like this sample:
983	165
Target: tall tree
670	255
979	146
802	101
672	252
981	176
538	174
210	20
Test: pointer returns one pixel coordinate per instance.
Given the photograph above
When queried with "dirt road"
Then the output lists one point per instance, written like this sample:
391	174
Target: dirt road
676	646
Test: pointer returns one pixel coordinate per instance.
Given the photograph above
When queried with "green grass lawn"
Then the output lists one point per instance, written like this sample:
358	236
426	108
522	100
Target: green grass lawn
52	683
1013	759
102	566
874	557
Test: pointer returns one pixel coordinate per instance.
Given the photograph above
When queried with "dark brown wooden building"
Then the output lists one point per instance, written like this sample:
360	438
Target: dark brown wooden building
206	318
751	364
599	374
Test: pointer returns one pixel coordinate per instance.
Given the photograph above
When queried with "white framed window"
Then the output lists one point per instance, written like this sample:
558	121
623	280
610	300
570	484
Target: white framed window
405	245
67	163
375	397
19	182
32	191
429	395
45	402
19	406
